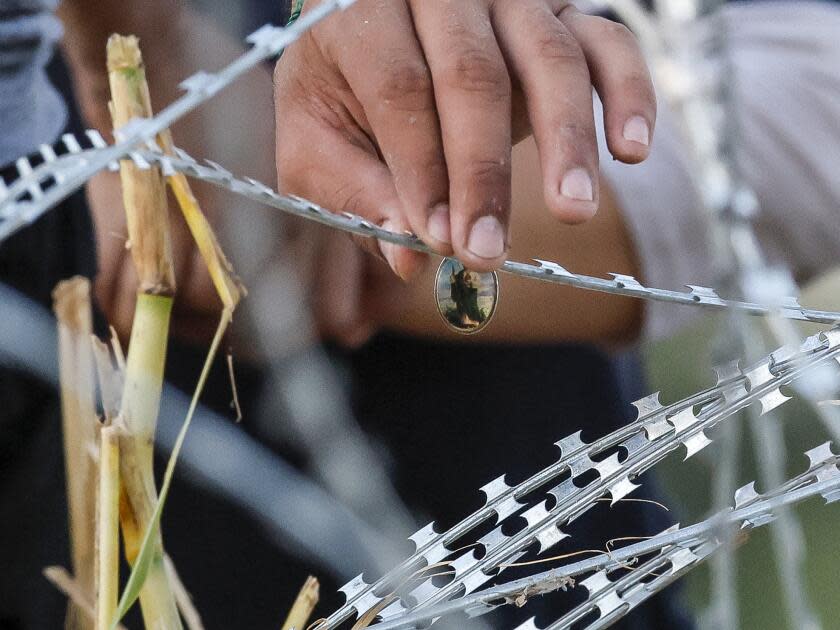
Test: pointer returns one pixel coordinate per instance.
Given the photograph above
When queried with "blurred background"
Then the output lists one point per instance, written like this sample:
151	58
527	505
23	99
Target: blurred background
689	488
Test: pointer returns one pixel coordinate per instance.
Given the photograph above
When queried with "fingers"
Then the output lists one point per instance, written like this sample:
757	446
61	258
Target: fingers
554	76
361	185
415	129
318	158
385	68
339	289
621	78
472	93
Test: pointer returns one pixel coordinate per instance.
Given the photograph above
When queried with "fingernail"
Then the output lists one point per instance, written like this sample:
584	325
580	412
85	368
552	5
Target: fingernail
389	250
438	224
487	238
636	130
577	185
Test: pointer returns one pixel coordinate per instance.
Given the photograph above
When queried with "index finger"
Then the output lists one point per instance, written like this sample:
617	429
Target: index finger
473	94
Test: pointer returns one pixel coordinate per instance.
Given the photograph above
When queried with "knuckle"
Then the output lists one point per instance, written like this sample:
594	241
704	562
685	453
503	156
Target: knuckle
615	31
406	85
352	199
578	131
474	70
492	179
638	82
555	43
578	136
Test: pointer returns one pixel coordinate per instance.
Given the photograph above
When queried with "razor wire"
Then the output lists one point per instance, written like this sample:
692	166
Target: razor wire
657	431
679	550
26	199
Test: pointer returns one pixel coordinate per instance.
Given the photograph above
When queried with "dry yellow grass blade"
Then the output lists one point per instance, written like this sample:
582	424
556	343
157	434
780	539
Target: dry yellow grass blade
108	533
227	285
304	604
71	303
64	582
185	604
369	617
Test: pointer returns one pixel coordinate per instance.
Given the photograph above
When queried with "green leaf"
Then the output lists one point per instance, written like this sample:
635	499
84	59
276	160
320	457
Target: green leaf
140	570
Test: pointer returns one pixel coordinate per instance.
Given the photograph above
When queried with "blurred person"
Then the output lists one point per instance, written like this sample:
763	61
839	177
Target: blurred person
532	374
411	382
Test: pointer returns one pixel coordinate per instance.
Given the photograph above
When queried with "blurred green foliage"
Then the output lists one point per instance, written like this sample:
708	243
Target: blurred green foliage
681	366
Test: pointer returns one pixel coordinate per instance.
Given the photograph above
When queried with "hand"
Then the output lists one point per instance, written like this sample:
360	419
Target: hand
356	295
404	112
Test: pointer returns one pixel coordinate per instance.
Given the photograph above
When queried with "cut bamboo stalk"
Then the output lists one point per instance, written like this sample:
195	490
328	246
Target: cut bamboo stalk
140	527
144	197
71	303
108	528
305	603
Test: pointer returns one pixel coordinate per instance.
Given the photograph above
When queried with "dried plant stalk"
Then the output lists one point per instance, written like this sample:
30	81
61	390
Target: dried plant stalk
305	603
71	303
227	285
144	197
108	540
144	191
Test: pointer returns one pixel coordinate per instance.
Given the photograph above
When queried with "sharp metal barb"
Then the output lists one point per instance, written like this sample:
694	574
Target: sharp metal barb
670	554
71	175
16	212
715	406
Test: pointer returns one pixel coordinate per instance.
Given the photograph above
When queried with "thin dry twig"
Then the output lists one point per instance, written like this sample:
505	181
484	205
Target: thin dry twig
235	404
369	617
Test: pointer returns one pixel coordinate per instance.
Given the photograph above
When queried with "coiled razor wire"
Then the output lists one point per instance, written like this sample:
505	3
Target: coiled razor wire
658	431
677	551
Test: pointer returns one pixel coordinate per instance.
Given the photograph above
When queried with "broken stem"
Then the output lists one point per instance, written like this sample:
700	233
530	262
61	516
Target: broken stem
144	197
71	303
108	528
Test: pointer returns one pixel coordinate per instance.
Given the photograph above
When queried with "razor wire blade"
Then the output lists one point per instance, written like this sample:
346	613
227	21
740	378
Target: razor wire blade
28	197
658	431
677	551
266	42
